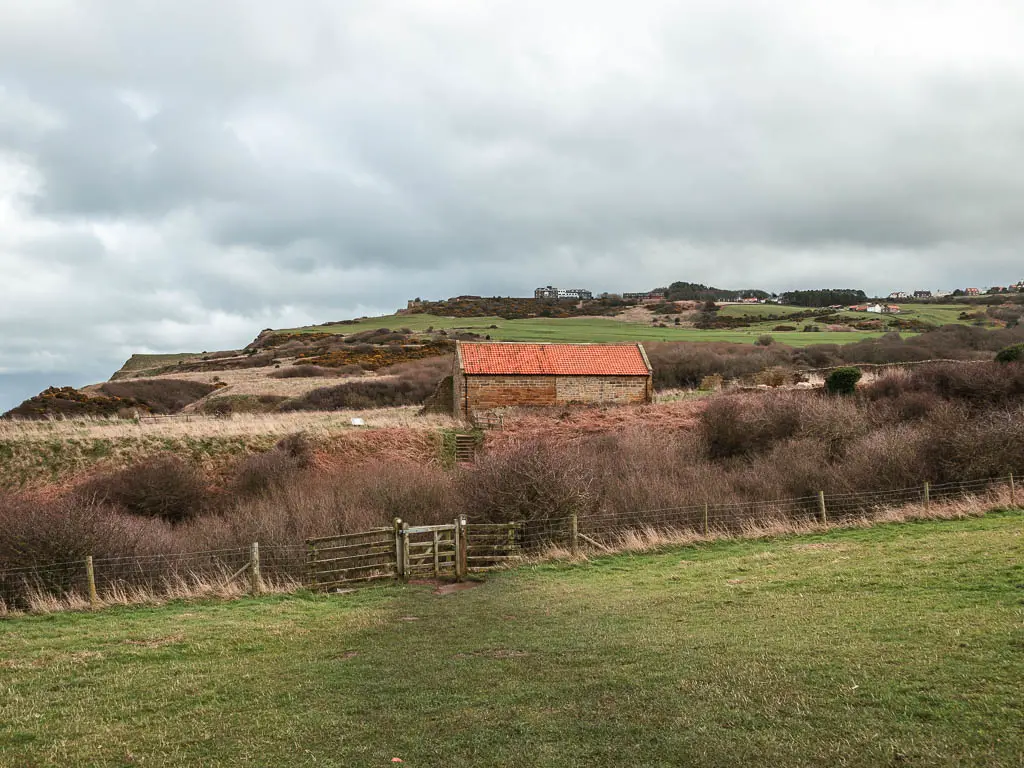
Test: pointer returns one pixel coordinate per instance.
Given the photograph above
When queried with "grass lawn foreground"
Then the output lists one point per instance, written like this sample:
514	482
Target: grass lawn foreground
894	645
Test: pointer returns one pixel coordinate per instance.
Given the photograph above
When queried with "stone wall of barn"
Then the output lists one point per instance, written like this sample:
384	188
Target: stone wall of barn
486	392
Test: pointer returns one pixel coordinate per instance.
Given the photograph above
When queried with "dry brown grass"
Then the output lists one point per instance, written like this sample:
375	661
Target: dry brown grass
186	587
314	423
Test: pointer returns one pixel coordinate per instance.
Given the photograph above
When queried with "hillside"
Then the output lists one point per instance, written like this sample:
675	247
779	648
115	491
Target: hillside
396	359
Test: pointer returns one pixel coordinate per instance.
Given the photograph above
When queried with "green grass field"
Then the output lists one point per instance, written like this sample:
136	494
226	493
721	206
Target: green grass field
586	329
894	645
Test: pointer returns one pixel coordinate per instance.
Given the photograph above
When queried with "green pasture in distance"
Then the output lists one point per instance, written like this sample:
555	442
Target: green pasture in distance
587	329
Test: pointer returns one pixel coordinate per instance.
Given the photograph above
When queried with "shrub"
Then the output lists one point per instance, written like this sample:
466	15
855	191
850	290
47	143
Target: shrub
163	487
159	395
260	472
842	381
306	371
533	482
1012	354
764	341
730	427
784	328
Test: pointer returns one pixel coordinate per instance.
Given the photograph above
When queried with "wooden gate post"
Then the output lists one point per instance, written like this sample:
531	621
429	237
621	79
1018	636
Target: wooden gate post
256	581
461	556
459	544
1013	492
821	507
927	495
574	535
404	556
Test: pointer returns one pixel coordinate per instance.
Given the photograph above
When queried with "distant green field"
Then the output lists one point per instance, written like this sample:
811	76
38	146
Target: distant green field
596	329
936	314
142	362
898	645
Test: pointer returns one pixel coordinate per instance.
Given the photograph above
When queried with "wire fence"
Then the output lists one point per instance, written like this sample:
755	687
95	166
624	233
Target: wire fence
135	578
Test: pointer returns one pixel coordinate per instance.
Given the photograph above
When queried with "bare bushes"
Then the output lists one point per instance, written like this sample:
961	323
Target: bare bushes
978	385
161	395
307	371
529	482
687	364
409	383
275	468
163	487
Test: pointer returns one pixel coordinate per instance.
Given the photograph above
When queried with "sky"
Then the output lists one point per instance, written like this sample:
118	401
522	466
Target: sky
177	176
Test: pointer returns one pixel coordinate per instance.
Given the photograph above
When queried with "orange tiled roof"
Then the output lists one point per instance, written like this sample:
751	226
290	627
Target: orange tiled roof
553	359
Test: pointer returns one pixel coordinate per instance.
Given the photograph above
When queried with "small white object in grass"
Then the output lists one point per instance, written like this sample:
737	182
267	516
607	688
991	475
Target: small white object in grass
357	422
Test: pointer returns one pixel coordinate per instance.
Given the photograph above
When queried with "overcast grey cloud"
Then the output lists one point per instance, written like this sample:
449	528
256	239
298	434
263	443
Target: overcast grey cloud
179	175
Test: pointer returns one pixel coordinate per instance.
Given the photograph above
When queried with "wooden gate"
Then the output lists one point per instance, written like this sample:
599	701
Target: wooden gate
432	551
408	551
332	561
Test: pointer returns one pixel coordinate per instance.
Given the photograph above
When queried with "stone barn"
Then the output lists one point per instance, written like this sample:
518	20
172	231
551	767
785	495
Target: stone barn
497	374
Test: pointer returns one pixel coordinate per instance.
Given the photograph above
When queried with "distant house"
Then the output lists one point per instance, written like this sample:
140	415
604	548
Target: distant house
922	294
751	300
575	293
893	309
875	308
548	292
858	308
898	295
491	375
973	292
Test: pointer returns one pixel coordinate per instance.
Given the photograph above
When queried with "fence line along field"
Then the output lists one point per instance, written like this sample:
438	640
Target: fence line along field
891	645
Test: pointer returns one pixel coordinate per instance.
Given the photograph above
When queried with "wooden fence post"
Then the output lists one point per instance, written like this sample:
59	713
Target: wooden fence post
311	575
462	555
404	554
821	507
706	518
255	580
90	575
927	494
574	535
1013	492
459	544
397	523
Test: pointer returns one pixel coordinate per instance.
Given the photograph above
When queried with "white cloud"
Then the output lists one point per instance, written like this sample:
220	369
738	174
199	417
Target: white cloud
181	174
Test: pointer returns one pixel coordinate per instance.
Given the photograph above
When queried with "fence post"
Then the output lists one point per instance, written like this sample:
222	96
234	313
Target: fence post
706	518
462	555
311	575
1013	492
574	535
927	494
90	575
404	552
397	523
459	544
821	507
256	581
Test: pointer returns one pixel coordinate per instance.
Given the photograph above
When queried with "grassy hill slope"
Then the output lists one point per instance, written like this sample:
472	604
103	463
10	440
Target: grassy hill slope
895	645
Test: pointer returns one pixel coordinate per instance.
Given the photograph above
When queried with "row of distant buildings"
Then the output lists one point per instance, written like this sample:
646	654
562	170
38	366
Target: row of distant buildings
903	295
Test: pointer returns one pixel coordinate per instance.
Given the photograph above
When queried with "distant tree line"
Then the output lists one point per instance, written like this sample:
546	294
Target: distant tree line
681	291
824	297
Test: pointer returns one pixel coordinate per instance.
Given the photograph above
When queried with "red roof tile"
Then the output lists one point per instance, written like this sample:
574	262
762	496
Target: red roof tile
553	359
